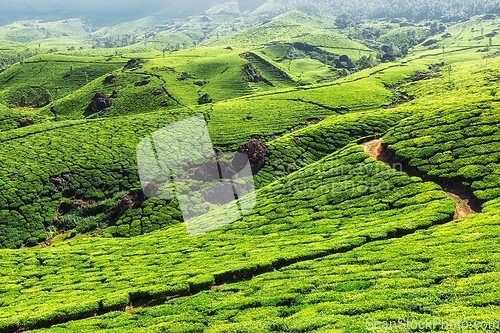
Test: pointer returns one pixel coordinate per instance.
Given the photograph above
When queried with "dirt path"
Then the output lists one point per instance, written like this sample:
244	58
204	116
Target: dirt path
461	196
374	149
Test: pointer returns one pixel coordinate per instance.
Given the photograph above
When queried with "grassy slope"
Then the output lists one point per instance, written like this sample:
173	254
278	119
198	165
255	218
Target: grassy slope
37	31
290	27
231	124
343	219
9	117
437	273
297	149
297	27
220	69
98	161
36	288
58	74
461	36
456	139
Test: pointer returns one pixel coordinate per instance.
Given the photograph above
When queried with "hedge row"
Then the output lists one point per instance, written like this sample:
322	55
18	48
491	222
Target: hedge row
298	149
433	279
84	162
455	143
14	119
58	75
338	203
91	161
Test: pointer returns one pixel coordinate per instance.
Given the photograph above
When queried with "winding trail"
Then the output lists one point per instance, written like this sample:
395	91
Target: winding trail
466	201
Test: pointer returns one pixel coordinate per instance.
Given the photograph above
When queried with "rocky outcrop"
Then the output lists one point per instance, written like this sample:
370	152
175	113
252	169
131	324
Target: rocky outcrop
205	99
23	122
110	79
252	74
344	62
99	103
133	63
145	81
213	170
256	151
184	76
136	197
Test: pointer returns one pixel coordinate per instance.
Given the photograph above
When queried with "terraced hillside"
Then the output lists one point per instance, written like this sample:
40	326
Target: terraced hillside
356	214
377	199
13	119
91	161
432	276
27	83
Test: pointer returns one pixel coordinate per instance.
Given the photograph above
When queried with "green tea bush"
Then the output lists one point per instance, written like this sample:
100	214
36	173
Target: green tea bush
11	119
83	163
276	233
452	144
89	161
303	147
432	276
44	76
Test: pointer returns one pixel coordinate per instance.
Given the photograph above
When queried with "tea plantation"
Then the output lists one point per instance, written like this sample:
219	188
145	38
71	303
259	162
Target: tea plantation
367	204
87	163
436	275
341	239
42	79
453	144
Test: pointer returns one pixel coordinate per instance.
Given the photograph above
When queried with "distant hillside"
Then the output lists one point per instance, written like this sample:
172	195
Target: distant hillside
413	10
100	13
150	17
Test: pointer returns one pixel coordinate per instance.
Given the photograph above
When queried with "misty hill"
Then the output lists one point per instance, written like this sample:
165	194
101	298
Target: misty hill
102	13
105	13
173	26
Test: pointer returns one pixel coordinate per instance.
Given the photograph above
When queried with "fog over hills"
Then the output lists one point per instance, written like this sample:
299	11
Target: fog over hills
99	12
110	12
113	11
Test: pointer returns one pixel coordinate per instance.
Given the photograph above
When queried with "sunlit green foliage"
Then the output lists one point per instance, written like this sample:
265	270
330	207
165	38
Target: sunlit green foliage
298	149
338	203
56	75
460	143
445	275
336	237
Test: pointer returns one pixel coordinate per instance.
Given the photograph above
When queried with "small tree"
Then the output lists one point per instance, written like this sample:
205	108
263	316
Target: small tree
205	99
404	49
22	100
344	72
366	62
343	21
53	111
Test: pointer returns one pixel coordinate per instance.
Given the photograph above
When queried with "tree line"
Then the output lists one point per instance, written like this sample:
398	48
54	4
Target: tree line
444	10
